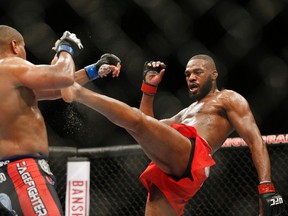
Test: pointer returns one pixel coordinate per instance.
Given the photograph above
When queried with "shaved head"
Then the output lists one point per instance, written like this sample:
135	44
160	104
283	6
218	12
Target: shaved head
8	34
208	59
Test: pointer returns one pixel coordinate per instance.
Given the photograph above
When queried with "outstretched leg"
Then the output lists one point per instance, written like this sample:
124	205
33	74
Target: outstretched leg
162	144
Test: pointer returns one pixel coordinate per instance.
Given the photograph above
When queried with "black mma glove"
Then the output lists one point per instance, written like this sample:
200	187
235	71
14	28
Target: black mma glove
146	87
109	59
272	202
69	43
94	70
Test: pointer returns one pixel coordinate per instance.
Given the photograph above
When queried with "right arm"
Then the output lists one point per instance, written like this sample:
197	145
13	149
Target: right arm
152	76
41	77
108	63
146	106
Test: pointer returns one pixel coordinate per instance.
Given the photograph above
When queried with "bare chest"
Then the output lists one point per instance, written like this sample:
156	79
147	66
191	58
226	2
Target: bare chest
207	112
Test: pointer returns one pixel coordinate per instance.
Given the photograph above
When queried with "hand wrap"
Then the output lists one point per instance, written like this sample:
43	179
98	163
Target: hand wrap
272	202
69	43
146	87
93	69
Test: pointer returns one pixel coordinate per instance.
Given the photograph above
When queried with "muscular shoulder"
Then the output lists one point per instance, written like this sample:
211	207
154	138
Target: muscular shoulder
9	60
13	62
232	99
12	67
228	93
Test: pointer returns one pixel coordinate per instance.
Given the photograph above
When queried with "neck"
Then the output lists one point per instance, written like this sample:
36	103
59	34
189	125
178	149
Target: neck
214	89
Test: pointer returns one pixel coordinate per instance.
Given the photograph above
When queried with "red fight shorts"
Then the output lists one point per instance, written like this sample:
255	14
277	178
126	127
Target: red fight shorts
27	187
179	192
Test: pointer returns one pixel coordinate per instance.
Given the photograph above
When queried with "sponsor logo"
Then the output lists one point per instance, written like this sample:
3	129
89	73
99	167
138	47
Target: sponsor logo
32	192
6	201
268	139
4	163
207	171
45	166
2	177
78	197
50	180
276	201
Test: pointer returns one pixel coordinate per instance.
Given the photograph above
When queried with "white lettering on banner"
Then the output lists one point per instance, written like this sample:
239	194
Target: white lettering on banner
276	139
234	142
33	194
269	139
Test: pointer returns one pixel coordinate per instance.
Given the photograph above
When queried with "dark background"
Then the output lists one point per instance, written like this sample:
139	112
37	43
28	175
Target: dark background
247	39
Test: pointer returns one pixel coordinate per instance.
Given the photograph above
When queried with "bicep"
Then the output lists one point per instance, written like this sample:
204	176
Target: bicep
24	73
241	118
40	77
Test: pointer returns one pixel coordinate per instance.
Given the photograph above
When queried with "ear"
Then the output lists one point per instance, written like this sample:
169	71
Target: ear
14	46
214	75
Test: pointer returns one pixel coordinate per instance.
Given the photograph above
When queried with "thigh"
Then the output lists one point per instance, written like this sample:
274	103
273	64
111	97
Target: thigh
165	146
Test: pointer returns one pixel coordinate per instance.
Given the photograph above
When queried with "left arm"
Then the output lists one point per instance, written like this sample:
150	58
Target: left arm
152	75
107	64
242	119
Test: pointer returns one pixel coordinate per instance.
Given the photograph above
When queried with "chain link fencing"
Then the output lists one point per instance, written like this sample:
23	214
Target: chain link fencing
115	189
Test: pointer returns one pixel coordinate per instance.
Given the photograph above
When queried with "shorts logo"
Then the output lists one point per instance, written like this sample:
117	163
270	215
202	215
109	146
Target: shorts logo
207	171
44	166
6	202
2	177
50	180
32	191
4	163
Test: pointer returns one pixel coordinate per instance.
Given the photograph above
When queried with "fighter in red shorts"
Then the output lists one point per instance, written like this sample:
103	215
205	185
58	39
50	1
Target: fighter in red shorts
212	116
179	190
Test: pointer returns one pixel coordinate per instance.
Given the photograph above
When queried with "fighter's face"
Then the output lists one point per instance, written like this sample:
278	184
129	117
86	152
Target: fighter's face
198	78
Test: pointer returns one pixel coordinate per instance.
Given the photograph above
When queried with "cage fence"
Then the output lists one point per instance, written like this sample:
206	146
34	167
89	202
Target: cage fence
115	189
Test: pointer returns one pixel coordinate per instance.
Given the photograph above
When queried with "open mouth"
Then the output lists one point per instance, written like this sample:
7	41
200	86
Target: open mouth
193	88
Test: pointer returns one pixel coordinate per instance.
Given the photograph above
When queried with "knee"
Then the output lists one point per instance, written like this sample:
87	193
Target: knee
138	116
139	119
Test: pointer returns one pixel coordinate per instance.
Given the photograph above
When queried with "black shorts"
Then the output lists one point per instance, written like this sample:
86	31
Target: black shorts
27	186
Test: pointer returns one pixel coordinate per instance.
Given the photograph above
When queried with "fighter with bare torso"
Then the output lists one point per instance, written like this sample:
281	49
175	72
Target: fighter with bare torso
181	147
26	181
